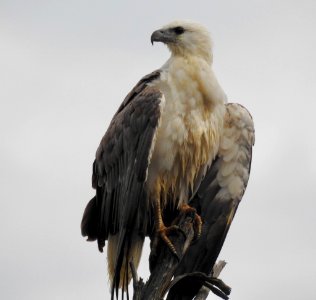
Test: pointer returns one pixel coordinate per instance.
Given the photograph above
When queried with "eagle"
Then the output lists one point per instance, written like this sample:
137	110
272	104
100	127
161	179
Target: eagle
174	144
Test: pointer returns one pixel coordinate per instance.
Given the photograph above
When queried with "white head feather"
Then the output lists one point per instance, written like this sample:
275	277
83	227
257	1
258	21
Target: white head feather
195	40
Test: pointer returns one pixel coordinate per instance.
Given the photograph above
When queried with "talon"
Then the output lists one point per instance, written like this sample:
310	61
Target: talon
164	232
197	222
198	226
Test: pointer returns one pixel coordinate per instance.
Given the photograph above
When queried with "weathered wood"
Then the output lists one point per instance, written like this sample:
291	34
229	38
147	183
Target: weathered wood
204	291
138	284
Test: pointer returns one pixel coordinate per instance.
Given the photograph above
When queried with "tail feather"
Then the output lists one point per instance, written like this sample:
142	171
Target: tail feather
119	257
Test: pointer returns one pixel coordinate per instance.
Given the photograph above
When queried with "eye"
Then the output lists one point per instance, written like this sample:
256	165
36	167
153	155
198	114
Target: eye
178	30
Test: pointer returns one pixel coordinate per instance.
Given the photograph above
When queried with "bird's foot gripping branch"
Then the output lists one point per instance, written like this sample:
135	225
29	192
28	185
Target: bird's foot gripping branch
163	263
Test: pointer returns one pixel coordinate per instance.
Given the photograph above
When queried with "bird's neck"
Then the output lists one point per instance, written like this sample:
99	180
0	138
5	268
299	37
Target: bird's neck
204	53
191	76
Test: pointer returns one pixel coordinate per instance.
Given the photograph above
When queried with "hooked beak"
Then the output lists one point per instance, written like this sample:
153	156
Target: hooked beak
164	36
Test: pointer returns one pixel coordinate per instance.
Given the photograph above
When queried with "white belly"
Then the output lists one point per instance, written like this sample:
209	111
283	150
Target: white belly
186	142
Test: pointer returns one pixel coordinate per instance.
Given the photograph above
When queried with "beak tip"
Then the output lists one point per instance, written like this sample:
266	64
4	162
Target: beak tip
156	36
152	39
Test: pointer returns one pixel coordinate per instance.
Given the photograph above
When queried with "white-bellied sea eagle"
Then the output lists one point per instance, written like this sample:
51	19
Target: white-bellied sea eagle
173	142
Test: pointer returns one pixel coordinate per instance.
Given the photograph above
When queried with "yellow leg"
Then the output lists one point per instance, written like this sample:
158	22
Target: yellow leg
161	229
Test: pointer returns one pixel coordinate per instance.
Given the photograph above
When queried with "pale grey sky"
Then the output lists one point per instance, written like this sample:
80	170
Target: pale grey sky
65	66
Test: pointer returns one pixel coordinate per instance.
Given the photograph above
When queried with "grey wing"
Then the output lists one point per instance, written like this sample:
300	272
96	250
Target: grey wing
120	207
217	198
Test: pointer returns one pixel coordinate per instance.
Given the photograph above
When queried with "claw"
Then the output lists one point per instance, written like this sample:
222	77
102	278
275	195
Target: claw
164	232
197	223
197	226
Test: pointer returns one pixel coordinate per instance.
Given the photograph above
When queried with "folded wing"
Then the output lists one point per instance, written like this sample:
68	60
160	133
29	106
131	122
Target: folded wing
119	212
217	198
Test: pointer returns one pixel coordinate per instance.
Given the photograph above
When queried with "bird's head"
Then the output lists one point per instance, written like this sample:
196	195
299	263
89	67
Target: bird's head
185	38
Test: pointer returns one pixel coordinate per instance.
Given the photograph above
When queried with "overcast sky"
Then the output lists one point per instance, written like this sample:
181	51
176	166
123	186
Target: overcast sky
65	66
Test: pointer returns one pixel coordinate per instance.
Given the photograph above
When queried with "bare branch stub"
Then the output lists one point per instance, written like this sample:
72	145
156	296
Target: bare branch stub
217	269
138	284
